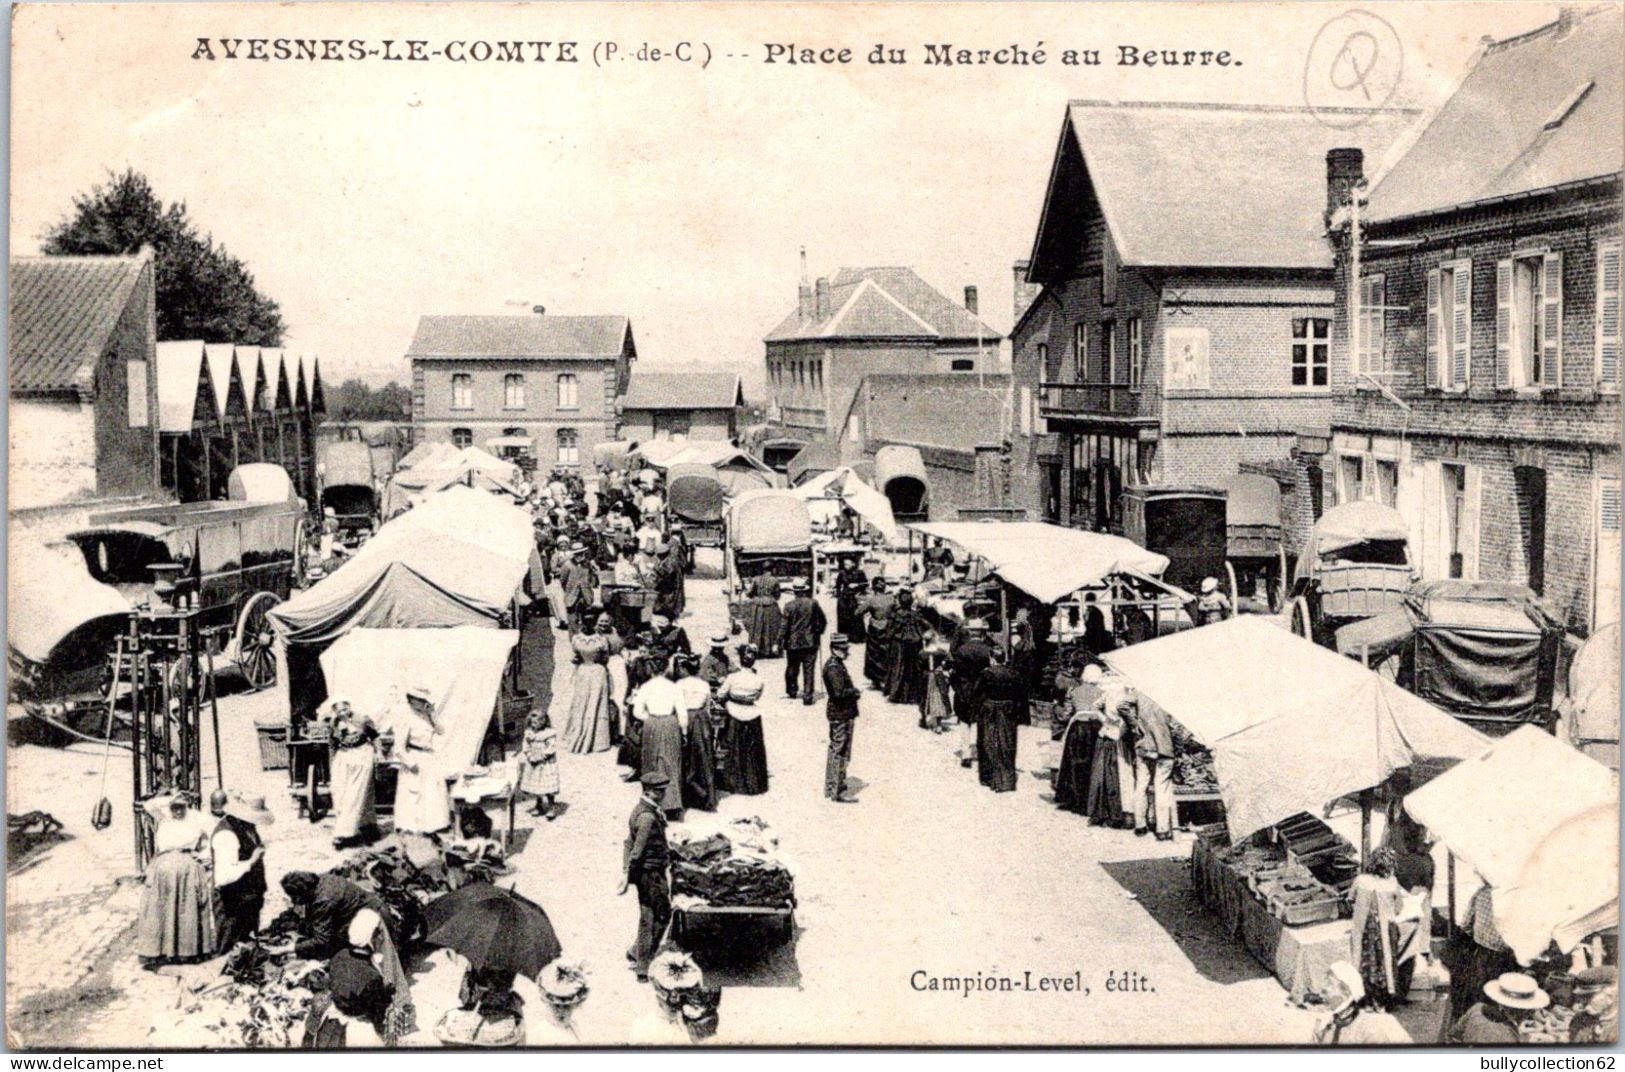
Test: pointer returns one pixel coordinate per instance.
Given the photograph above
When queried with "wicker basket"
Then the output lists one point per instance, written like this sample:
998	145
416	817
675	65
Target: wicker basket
273	746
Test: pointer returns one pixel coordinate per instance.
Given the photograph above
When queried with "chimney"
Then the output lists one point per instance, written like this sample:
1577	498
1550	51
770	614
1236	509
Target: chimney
1344	170
821	303
804	294
1026	293
970	300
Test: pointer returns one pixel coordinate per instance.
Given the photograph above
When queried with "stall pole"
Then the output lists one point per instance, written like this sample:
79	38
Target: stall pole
1365	656
1450	891
1004	615
1365	827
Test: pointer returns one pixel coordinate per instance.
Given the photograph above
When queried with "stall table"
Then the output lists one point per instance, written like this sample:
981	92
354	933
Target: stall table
1300	957
501	786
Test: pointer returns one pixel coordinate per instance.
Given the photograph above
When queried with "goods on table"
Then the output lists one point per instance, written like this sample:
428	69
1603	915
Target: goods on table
1310	842
403	886
1193	764
1550	1024
1291	889
269	1014
738	867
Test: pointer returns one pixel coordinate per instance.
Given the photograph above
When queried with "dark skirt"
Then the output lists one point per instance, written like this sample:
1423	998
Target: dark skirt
876	657
700	762
764	624
967	704
905	678
847	618
631	750
1105	803
663	751
996	745
744	765
1077	761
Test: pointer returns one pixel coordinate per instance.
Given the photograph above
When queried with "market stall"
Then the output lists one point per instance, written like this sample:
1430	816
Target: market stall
469	466
731	888
841	488
737	471
1590	712
812	460
1291	726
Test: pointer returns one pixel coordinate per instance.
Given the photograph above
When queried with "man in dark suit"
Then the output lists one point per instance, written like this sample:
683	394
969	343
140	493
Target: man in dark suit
804	625
578	581
842	711
646	861
328	903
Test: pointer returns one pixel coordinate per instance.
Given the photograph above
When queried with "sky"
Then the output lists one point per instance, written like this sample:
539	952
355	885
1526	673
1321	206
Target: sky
363	195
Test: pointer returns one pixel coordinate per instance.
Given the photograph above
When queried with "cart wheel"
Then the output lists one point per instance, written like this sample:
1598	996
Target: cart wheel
310	792
1301	624
256	656
1235	600
1277	595
301	553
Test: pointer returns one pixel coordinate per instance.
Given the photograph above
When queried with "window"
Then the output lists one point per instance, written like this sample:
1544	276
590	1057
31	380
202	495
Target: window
567	390
1605	560
1529	321
1450	325
569	451
1387	489
1350	487
462	391
1608	329
462	437
513	391
1311	342
1049	372
1108	349
1136	353
1371	355
1455	516
135	382
962	364
1080	352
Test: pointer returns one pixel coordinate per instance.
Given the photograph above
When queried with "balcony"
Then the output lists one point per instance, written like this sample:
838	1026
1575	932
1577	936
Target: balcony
1116	402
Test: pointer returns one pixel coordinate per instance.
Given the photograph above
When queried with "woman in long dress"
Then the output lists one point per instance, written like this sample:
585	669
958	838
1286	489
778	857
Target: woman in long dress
699	739
422	803
665	718
1076	769
587	726
743	768
762	619
1376	896
177	916
1002	692
355	763
905	676
1104	805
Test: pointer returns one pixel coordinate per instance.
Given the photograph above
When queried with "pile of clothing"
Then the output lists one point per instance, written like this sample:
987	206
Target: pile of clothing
403	886
1193	764
738	867
268	1014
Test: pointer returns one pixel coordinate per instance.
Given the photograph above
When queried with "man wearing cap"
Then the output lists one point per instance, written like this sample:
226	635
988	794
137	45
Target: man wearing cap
716	665
842	712
239	865
645	860
1212	605
804	625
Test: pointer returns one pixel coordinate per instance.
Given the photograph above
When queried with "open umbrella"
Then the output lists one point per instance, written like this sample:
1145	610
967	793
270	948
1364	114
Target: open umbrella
493	929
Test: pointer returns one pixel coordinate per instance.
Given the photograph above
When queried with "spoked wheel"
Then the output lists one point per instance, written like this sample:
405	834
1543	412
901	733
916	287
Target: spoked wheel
256	656
310	792
1301	623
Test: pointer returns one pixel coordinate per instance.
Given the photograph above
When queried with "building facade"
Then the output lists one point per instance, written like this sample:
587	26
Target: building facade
83	397
866	321
691	405
553	379
1476	353
1183	329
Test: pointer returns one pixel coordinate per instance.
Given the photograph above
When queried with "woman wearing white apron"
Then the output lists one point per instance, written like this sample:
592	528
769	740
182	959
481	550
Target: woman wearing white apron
422	804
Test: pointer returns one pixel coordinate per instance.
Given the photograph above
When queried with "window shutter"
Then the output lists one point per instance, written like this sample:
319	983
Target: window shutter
1503	323
1472	515
1376	325
1434	326
1608	326
1461	329
1551	320
1605	601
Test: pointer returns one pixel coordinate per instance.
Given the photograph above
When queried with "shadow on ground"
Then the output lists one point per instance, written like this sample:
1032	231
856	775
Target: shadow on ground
1163	888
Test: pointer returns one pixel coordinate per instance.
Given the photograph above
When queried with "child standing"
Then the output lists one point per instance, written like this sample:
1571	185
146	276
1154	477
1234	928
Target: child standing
539	763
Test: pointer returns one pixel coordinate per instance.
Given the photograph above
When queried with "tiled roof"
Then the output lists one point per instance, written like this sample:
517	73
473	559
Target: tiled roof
885	303
1538	110
62	311
1209	185
537	337
683	390
180	371
953	410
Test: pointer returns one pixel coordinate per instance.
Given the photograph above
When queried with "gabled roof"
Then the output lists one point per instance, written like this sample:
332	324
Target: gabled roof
185	396
248	361
683	390
1536	111
284	382
261	377
520	337
1198	185
227	377
318	396
885	303
954	410
301	390
62	311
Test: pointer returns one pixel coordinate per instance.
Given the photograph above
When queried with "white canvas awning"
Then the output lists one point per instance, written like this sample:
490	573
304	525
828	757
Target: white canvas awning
1539	822
1046	561
1291	725
823	492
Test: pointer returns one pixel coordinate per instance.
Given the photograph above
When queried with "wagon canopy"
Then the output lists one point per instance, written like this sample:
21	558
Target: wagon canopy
769	522
1291	725
737	471
1350	526
347	462
59	597
812	460
900	475
1591	709
260	482
1540	823
694	493
462	667
1046	561
467	466
459	558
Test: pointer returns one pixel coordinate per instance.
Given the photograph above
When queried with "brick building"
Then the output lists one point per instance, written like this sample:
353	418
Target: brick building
1183	327
83	398
866	321
1476	358
554	379
698	405
958	424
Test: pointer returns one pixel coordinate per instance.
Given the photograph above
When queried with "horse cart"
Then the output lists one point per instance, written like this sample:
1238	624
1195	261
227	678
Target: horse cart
347	486
696	499
1355	565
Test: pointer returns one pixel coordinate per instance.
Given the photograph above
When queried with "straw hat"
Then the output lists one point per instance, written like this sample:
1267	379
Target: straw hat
1092	673
1349	977
564	983
1209	585
675	971
1516	990
250	810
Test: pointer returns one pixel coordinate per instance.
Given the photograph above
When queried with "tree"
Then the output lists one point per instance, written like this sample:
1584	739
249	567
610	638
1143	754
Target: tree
353	400
203	292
